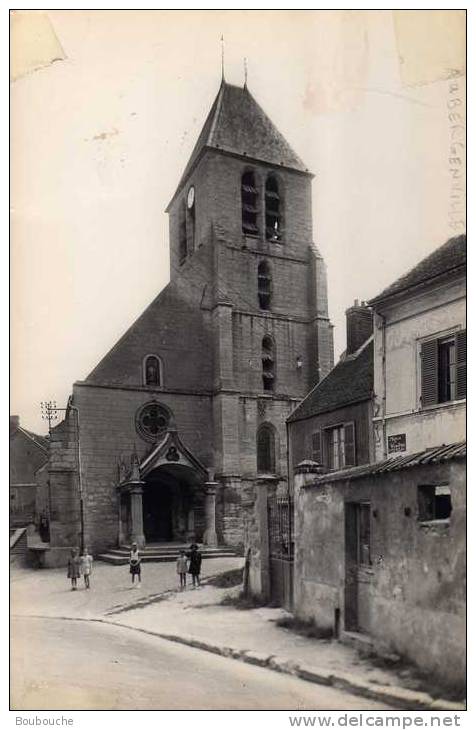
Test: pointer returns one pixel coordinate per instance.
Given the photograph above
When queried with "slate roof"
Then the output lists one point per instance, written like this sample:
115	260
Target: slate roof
449	257
41	441
350	381
237	124
432	455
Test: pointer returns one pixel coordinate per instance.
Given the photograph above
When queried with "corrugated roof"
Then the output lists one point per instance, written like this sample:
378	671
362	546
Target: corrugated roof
350	381
433	455
237	124
448	257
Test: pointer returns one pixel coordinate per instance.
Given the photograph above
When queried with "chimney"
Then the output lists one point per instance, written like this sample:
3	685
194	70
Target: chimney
359	325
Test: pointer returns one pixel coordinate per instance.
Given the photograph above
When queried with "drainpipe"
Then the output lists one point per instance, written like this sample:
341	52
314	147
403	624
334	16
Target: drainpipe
384	385
80	481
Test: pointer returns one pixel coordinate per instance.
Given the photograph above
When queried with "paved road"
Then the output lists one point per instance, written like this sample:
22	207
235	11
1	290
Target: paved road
73	665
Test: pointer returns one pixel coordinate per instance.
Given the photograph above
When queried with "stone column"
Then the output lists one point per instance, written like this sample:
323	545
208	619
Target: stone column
190	534
136	515
210	534
121	536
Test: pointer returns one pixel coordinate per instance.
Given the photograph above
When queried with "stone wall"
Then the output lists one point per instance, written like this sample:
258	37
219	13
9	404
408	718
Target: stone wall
417	578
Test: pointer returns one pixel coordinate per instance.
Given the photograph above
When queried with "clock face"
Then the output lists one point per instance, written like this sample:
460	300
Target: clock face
191	197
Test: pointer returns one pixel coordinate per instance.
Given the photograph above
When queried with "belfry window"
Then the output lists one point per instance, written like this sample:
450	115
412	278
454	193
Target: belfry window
273	209
152	370
182	235
249	204
264	285
267	360
266	449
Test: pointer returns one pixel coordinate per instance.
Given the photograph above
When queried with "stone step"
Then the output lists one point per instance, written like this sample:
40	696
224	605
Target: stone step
118	557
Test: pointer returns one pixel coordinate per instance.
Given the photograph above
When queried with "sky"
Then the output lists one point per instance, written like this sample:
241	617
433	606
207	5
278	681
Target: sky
100	137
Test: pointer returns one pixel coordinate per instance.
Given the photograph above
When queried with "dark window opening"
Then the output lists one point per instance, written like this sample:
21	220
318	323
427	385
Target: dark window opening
264	285
267	361
266	450
249	204
443	369
446	369
182	235
273	210
152	370
434	503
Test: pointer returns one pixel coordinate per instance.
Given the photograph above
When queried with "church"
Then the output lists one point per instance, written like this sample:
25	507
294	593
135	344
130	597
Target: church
169	434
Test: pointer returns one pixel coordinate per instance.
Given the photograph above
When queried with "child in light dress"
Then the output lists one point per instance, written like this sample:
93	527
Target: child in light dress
86	567
182	569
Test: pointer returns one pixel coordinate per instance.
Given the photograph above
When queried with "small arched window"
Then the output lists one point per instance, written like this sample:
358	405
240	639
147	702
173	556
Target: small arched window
264	285
249	204
267	360
152	370
182	234
273	212
266	449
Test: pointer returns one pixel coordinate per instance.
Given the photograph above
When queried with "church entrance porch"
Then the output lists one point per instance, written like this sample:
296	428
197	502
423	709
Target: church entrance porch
173	505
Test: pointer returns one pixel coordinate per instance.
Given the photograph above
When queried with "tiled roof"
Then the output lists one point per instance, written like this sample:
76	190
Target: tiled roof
433	455
350	381
236	123
449	257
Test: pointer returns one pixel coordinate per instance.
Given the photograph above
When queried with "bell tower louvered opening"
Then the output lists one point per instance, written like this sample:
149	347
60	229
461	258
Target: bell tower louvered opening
249	204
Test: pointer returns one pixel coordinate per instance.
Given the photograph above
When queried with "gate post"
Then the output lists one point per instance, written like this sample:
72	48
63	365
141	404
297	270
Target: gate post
265	486
210	534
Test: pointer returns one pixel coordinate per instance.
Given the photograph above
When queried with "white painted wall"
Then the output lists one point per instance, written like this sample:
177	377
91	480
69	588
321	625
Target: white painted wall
399	329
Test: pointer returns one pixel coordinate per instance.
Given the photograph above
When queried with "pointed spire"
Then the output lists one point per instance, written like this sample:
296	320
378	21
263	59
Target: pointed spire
245	64
222	41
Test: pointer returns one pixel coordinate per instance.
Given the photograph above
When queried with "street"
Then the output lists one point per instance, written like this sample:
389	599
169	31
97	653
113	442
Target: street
77	665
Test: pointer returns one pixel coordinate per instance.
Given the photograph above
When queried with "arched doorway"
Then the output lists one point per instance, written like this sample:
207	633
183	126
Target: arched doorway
172	504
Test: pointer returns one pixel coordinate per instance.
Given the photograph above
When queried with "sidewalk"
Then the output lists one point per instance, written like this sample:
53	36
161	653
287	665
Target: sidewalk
197	618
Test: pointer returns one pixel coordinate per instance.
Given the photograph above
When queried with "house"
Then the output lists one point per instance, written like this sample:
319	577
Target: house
420	355
333	424
28	452
380	548
166	439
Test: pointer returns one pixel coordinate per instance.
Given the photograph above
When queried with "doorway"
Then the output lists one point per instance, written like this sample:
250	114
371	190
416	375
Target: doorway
157	513
358	566
172	504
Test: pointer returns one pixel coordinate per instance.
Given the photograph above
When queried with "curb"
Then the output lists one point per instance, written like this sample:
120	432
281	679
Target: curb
406	699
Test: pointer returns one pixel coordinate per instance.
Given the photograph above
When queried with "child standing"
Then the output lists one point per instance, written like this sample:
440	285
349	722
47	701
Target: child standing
74	568
195	564
182	569
134	562
86	566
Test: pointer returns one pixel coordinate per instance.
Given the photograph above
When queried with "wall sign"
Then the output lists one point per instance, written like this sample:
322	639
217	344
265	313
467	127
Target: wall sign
397	442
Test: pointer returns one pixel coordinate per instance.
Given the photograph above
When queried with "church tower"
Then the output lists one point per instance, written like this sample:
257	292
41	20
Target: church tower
241	218
171	432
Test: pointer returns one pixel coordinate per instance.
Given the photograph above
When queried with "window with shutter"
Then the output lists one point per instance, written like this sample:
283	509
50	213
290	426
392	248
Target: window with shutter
461	365
429	372
443	369
316	447
349	444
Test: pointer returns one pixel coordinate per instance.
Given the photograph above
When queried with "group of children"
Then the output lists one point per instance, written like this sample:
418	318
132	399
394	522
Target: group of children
191	562
80	565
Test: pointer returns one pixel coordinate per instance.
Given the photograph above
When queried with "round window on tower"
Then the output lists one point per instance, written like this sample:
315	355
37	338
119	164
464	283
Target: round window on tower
152	421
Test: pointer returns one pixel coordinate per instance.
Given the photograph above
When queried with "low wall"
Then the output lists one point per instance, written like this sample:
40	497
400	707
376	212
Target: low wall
415	600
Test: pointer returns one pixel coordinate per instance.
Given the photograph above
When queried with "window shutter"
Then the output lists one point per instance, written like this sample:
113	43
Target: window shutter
349	444
316	447
429	372
461	365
